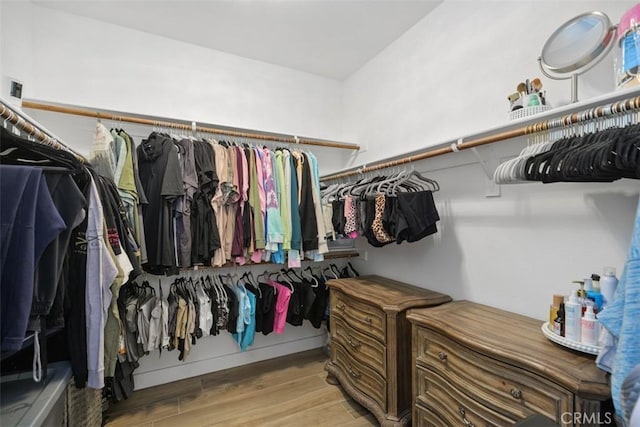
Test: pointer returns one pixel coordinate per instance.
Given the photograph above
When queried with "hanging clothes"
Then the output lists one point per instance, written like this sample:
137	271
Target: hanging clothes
283	295
383	209
30	222
162	182
308	221
190	187
291	176
205	236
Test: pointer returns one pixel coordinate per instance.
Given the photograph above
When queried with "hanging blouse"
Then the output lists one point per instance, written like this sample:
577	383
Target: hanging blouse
217	203
269	299
282	306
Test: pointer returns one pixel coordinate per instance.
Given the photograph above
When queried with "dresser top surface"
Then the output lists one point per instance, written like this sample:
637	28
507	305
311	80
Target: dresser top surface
514	339
388	294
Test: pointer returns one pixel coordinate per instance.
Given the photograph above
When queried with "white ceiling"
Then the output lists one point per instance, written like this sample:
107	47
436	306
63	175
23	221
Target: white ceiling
331	38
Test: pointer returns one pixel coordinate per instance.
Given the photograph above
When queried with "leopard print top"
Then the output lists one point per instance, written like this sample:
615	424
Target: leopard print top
350	214
378	229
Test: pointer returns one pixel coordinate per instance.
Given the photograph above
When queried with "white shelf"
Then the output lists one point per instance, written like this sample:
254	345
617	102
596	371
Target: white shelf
574	345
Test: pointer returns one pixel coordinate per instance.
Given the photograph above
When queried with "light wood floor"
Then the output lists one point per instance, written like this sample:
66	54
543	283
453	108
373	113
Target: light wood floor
287	391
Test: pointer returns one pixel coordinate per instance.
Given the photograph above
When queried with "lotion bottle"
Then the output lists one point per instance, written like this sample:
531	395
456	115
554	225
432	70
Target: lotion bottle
573	315
608	285
589	327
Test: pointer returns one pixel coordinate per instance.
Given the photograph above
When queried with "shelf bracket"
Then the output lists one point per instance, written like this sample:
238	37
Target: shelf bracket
491	189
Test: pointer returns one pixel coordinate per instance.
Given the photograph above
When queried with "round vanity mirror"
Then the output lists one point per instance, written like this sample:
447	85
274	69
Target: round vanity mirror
576	46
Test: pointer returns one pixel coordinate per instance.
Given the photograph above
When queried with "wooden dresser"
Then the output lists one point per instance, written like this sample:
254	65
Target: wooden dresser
475	365
371	342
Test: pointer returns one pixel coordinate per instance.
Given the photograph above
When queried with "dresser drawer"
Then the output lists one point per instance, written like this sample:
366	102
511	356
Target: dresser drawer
509	390
358	315
365	379
425	418
361	347
452	404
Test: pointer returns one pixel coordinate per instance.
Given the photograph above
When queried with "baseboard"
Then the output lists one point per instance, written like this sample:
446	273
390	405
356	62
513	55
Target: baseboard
217	363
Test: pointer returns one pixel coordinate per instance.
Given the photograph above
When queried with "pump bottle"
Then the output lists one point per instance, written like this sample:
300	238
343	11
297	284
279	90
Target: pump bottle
589	330
573	314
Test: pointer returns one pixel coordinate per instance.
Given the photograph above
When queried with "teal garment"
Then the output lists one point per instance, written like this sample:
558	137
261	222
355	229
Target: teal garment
246	318
296	228
278	257
620	318
243	308
274	232
317	255
282	190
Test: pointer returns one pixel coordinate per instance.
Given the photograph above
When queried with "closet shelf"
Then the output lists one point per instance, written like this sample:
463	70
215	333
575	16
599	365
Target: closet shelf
554	118
181	124
338	254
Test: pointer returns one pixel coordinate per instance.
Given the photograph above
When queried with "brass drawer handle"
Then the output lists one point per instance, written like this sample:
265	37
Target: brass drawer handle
353	343
340	306
368	319
516	393
442	355
355	374
463	414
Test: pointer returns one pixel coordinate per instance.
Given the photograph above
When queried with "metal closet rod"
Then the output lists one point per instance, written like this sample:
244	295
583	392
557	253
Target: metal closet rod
542	126
116	116
26	124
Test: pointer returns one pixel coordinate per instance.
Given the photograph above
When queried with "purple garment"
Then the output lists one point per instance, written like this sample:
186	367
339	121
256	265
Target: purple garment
238	234
30	221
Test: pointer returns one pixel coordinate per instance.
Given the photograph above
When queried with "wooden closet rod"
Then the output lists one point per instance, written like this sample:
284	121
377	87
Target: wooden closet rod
542	126
108	115
26	124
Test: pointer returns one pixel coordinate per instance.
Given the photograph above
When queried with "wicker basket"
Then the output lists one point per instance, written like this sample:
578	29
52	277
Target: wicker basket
528	111
84	406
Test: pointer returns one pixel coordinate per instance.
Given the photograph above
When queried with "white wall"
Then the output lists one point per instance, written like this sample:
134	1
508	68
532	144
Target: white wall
74	60
451	73
16	43
514	251
447	77
1	47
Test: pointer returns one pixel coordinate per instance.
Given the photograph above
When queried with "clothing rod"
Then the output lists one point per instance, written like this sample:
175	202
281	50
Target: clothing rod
28	125
542	126
117	116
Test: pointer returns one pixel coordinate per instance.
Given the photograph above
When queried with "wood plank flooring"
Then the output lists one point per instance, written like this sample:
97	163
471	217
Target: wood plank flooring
286	391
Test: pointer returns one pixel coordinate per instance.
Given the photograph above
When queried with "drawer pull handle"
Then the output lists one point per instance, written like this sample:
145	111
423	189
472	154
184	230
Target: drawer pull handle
442	355
463	414
355	374
368	319
516	393
340	306
354	343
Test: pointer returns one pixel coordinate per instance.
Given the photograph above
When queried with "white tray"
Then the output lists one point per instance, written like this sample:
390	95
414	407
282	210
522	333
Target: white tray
574	345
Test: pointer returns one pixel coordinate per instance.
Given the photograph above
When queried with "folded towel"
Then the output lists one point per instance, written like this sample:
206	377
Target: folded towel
620	319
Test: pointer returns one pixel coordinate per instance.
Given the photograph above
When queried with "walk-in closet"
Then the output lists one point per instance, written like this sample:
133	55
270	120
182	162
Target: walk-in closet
324	213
